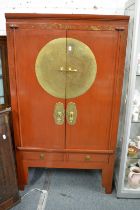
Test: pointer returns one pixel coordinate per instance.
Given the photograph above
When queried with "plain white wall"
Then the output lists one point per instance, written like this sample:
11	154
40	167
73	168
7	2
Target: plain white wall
59	6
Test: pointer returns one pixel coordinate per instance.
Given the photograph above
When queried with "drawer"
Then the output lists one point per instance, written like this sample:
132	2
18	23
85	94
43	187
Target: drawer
88	157
47	156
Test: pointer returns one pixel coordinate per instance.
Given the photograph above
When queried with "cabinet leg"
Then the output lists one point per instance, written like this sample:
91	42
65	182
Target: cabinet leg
22	176
107	175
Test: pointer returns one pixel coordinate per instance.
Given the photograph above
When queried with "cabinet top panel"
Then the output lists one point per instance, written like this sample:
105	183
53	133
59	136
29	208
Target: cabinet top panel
65	16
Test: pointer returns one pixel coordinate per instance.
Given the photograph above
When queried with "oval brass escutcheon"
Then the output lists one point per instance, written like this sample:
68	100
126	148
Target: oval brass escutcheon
71	113
65	68
59	113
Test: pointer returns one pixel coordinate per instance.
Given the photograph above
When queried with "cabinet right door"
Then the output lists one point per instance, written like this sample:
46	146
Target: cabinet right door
91	80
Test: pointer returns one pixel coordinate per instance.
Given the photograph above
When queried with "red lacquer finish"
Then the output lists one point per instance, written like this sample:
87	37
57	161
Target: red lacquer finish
91	142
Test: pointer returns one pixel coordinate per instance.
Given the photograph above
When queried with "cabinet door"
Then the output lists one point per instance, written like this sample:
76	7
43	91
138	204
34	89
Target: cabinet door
93	59
37	54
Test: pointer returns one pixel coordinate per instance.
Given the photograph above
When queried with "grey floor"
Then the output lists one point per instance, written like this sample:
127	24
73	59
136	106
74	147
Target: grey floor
71	190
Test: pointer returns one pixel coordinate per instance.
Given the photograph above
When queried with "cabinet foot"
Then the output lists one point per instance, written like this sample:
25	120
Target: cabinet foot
107	175
22	174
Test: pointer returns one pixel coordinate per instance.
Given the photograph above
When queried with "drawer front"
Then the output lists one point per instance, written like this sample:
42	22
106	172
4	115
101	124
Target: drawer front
42	156
88	157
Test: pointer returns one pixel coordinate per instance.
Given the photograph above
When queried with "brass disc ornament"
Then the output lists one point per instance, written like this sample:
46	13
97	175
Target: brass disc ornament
65	68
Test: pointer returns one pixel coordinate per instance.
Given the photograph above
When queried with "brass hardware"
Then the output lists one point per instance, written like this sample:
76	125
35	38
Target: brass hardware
61	68
42	156
80	60
71	113
59	113
49	62
69	69
72	70
87	157
13	26
71	117
54	57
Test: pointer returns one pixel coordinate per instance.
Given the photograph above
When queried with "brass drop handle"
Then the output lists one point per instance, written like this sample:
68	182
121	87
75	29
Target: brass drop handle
87	157
42	156
68	70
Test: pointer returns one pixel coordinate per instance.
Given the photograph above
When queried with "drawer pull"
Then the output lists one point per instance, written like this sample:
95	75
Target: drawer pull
42	156
88	157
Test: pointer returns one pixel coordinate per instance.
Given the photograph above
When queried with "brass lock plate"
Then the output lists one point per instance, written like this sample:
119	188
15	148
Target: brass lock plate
65	68
59	113
71	113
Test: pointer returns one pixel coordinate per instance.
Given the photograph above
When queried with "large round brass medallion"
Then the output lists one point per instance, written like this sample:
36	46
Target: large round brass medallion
65	68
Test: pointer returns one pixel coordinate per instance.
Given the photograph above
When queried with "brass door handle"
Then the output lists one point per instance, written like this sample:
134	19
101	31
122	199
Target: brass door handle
72	70
67	70
71	113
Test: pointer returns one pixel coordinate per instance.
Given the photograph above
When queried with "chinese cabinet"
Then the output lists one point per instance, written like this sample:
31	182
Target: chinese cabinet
9	194
66	74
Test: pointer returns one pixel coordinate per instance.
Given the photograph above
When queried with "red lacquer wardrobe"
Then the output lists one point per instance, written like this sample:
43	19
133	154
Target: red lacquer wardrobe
66	74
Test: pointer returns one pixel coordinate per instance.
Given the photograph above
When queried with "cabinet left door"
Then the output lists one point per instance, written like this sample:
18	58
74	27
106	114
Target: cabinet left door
37	70
9	194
